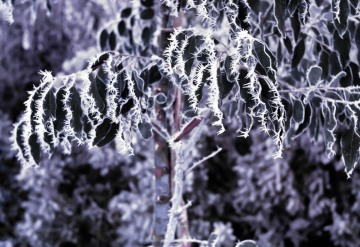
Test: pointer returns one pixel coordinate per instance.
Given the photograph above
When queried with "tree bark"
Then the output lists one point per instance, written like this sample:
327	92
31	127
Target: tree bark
162	155
165	158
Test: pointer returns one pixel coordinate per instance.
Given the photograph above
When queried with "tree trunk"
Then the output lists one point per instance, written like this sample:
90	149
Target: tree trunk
162	158
165	159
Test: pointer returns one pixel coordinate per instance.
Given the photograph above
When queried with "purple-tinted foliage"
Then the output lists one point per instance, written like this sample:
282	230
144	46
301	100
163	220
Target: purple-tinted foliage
301	200
11	192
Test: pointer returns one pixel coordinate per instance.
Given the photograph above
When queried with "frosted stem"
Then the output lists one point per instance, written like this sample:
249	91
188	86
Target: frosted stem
176	199
203	160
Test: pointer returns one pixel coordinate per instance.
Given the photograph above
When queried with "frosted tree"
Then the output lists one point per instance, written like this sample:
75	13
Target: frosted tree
168	68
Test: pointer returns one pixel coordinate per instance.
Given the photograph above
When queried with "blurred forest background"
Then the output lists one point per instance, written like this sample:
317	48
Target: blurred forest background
99	198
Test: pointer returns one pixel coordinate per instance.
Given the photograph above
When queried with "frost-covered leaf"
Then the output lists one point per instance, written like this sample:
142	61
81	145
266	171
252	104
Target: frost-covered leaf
356	77
145	130
102	78
348	79
147	14
147	3
343	47
102	58
225	86
323	63
341	10
110	136
33	106
60	109
306	122
264	55
190	49
243	80
146	35
330	122
126	13
280	14
99	99
314	123
125	108
227	67
49	105
296	25
288	45
75	106
334	63
88	126
319	2
20	140
121	28
288	108
103	39
121	84
151	75
203	56
35	147
242	19
265	58
154	74
49	138
304	12
350	145
103	130
298	54
139	88
112	40
313	75
298	111
357	42
293	6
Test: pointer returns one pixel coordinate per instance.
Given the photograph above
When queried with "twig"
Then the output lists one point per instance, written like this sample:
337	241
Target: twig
184	207
203	160
176	199
189	240
110	3
187	129
161	131
349	89
196	241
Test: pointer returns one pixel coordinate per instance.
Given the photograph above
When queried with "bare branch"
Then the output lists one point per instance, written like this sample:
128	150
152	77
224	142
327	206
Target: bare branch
203	160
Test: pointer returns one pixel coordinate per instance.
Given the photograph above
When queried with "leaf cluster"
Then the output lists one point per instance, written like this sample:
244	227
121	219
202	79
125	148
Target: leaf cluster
106	101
